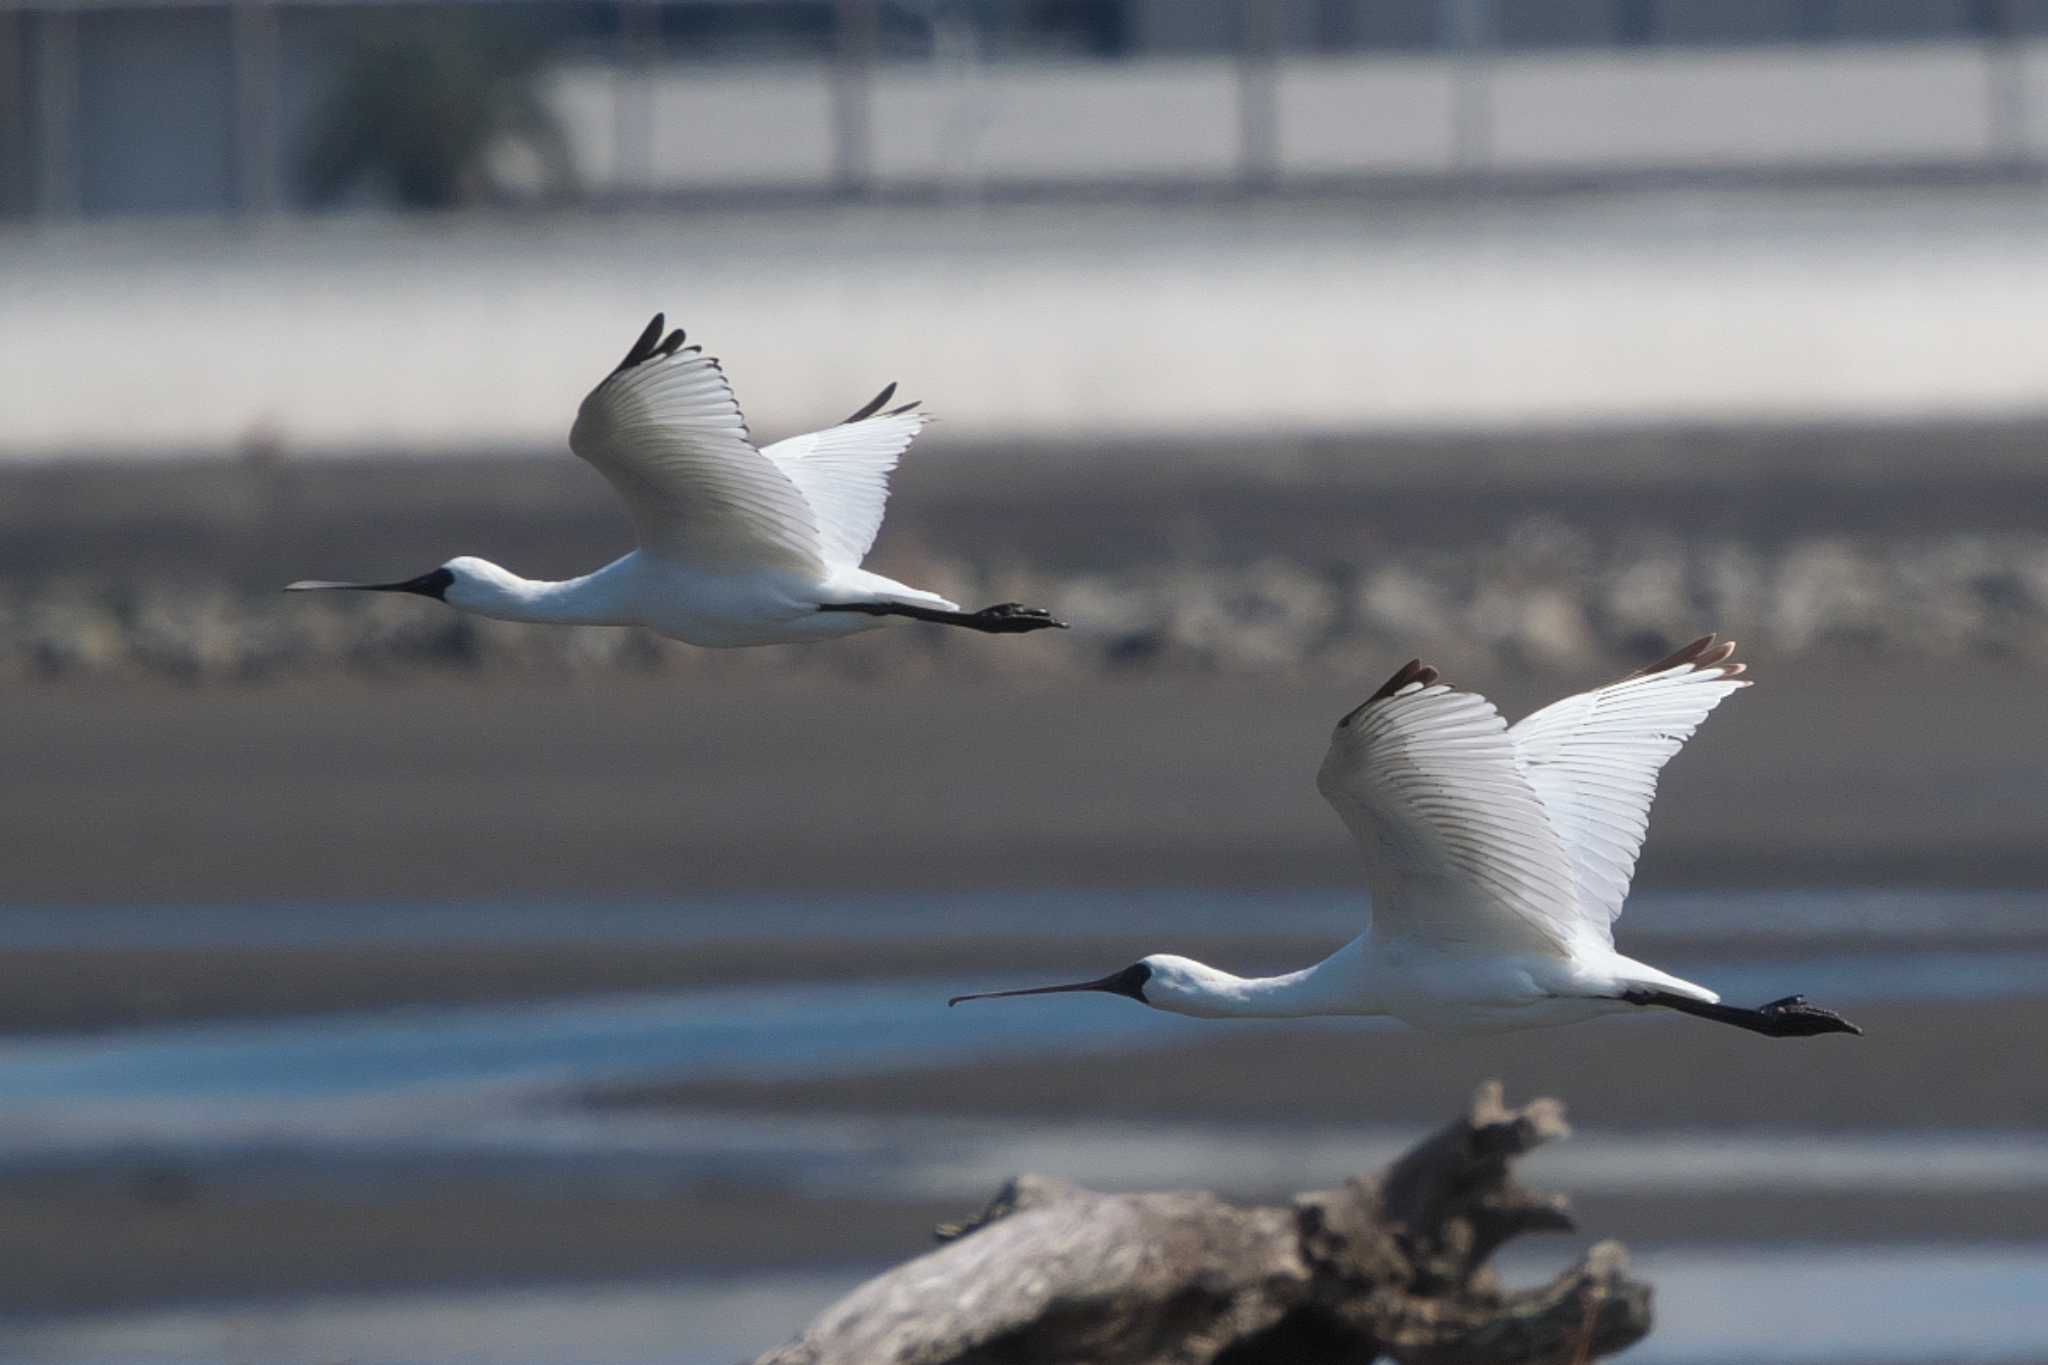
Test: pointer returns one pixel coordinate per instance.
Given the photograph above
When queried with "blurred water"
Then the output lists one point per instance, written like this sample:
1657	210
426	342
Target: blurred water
385	1105
377	1095
769	1031
427	1083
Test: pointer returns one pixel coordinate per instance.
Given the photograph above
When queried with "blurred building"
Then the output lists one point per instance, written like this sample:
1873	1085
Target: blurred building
117	107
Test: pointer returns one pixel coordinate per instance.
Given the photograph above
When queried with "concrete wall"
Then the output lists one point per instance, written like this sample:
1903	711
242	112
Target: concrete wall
1603	112
1060	320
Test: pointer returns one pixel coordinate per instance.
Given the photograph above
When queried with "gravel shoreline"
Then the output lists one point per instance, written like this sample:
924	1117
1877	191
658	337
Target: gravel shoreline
1573	550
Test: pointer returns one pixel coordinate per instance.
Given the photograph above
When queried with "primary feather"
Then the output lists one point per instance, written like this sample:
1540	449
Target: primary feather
665	429
1479	837
1593	761
843	473
1456	845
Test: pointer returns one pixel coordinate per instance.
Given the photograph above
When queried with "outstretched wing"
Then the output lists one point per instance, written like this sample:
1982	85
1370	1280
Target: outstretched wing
666	431
843	473
1460	854
1593	761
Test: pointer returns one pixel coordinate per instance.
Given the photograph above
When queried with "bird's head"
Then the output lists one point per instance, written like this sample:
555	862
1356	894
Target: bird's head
465	582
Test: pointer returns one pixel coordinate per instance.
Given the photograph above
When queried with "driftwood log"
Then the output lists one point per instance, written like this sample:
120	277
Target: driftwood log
1388	1267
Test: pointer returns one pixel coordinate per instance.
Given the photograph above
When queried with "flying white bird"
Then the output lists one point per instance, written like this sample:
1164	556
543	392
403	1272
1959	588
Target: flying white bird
1499	858
739	545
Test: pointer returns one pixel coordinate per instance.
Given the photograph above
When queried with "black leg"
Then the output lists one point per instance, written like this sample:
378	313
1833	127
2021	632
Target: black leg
1005	618
1791	1017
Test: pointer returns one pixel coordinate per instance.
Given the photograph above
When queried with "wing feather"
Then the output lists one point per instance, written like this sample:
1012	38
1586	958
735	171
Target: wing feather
1593	761
843	473
666	432
1460	854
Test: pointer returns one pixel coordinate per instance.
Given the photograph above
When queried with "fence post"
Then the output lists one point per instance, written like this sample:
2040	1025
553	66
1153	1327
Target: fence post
1471	35
57	114
856	35
253	39
633	99
2005	85
15	194
1258	96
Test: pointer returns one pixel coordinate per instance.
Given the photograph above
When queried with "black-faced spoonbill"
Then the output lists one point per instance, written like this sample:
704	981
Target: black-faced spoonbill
1499	858
739	545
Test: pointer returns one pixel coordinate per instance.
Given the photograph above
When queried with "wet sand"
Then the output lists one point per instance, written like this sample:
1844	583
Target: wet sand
77	1243
1923	1066
71	1249
453	788
462	789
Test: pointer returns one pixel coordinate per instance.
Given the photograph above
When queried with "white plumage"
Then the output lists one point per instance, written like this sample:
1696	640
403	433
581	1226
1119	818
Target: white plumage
843	473
738	545
667	433
1498	858
1592	761
1456	845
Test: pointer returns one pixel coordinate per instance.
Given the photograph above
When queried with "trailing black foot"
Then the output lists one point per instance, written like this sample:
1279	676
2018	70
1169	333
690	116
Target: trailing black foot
1005	618
1013	618
1791	1017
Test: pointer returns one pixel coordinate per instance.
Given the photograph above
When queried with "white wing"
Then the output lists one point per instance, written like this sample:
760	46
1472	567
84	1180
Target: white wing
1593	761
1460	853
843	473
665	430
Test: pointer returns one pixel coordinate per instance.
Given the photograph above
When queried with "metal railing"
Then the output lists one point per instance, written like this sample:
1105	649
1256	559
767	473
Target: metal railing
1469	81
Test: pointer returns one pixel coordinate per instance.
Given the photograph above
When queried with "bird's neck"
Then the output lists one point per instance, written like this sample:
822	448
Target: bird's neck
1339	984
595	599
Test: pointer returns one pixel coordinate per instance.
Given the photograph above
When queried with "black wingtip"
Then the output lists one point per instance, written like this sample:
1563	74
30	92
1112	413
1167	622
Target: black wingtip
645	347
1707	652
872	406
1414	671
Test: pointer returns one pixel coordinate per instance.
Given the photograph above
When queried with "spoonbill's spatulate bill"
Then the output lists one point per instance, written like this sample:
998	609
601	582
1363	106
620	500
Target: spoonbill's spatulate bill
1499	858
739	545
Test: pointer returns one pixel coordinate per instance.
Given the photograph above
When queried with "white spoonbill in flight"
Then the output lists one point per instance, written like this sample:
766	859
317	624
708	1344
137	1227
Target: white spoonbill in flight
1499	858
739	544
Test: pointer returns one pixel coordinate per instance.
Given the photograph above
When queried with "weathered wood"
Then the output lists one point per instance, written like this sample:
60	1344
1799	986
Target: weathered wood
1393	1267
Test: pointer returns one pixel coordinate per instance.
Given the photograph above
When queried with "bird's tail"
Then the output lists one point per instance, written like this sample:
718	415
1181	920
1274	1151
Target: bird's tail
858	585
1642	975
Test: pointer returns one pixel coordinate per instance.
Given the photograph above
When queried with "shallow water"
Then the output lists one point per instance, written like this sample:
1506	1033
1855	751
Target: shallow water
421	1067
488	1077
379	1105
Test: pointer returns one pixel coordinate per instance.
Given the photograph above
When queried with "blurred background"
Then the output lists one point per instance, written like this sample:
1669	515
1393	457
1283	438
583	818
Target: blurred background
384	985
